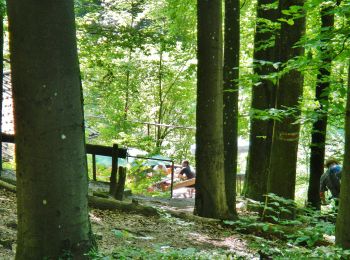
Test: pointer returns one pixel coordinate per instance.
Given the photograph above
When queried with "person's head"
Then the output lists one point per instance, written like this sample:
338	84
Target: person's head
335	169
330	162
185	163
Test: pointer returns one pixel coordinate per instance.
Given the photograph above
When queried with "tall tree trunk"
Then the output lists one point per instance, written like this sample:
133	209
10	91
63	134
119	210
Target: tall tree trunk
161	101
263	98
210	181
127	83
127	87
231	91
2	14
319	127
281	180
342	229
52	181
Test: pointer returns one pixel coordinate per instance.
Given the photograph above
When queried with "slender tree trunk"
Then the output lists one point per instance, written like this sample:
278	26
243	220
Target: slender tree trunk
210	181
281	180
52	182
263	98
231	91
161	101
319	128
342	229
127	91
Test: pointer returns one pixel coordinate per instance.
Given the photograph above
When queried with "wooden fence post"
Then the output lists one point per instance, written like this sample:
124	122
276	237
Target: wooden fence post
121	183
113	178
172	179
94	167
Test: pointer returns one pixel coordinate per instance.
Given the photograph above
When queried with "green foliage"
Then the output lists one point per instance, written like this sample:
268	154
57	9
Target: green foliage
141	178
277	250
163	252
298	238
138	67
103	173
307	229
11	165
278	208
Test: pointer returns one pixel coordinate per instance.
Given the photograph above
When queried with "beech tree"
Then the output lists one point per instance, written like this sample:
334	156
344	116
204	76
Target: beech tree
51	168
319	127
231	88
263	98
210	181
2	14
282	176
342	229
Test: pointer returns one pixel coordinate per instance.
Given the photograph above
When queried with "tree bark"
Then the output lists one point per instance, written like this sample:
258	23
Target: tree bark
231	92
281	180
109	204
159	139
210	180
52	180
2	13
263	98
8	186
114	171
119	193
342	229
319	127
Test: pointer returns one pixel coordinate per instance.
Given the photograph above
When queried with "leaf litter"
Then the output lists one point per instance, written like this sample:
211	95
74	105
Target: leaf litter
117	230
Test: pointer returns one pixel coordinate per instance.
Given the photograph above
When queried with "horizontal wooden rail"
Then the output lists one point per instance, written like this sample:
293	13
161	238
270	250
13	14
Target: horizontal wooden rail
112	151
90	148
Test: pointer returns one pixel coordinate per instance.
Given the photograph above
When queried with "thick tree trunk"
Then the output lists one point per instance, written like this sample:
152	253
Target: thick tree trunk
210	181
263	98
52	181
231	91
319	128
342	229
2	14
281	180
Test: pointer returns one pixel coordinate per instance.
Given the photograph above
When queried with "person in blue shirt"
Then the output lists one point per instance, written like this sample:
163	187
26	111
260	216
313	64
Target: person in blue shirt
330	180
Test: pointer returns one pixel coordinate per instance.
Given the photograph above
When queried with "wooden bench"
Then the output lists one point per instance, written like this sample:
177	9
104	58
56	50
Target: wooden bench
185	183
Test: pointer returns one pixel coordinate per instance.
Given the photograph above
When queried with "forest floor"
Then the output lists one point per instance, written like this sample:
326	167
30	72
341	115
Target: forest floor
122	235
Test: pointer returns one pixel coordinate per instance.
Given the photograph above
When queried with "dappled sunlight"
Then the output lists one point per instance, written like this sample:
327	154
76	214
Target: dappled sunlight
233	243
94	218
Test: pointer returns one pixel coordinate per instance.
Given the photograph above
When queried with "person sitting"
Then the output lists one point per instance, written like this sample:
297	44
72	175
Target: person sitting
330	180
186	173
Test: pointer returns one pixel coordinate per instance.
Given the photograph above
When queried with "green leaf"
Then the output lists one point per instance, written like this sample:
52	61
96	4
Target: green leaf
265	227
118	233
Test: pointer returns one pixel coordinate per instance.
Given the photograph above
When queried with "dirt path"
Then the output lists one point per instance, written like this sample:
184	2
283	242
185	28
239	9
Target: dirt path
119	234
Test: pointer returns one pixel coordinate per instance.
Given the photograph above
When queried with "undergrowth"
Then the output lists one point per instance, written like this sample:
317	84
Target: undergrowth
302	237
163	252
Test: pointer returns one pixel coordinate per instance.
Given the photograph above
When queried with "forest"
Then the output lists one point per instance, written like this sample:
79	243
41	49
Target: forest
175	129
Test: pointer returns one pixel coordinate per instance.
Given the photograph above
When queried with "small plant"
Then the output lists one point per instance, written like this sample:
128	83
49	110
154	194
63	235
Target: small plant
141	177
278	208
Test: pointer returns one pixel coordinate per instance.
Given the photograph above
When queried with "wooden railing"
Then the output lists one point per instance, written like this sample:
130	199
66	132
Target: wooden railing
93	149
